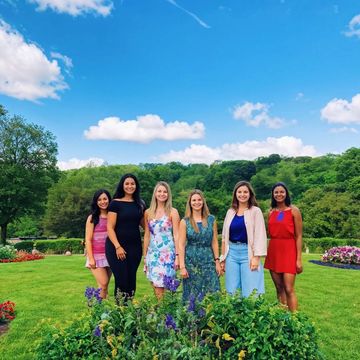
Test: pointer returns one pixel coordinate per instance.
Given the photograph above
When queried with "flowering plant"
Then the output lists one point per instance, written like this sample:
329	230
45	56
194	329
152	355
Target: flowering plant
8	254
343	255
7	311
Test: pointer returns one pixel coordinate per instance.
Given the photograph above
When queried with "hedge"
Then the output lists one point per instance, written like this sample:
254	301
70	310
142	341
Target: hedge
58	246
321	244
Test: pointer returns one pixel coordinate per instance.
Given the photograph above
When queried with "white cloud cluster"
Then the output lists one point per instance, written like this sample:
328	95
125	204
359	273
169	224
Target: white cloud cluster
343	129
249	150
65	59
256	114
75	163
76	7
144	129
340	111
25	71
354	27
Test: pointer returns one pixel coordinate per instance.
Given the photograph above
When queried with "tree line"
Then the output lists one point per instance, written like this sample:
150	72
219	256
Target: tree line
325	188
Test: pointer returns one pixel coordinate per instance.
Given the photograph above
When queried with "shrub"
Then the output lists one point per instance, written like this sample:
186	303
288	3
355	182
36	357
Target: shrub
343	255
7	311
26	245
59	246
216	327
321	244
7	252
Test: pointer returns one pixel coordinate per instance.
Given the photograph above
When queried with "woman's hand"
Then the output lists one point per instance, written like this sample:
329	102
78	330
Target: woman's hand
145	265
299	267
183	273
254	263
218	268
92	263
222	266
120	253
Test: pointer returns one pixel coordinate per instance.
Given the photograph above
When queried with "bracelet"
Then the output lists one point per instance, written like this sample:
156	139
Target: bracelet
117	247
216	259
176	254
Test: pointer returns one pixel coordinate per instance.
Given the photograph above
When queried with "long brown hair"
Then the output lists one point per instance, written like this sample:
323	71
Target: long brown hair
204	211
252	199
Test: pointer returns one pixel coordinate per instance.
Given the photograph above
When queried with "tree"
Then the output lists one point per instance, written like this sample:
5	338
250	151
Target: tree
27	168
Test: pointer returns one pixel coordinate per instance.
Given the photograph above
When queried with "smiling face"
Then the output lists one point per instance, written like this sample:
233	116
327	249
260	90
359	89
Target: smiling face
161	194
196	202
129	186
279	194
103	201
243	195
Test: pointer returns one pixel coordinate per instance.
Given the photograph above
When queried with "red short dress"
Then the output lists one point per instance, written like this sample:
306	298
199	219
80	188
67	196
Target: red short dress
281	254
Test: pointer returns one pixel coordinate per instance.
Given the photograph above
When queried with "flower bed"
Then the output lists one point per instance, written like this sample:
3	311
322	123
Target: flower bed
7	311
217	326
342	255
9	254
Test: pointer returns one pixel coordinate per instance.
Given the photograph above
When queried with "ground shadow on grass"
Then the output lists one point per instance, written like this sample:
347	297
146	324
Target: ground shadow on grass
340	266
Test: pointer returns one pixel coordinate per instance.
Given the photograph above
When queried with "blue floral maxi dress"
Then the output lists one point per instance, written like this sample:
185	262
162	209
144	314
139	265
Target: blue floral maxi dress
160	258
199	261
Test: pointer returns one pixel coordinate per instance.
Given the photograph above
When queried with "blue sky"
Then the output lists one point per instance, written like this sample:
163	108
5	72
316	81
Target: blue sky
193	81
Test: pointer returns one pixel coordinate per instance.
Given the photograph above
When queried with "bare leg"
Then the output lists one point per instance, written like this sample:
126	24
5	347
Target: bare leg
159	292
278	279
102	277
289	283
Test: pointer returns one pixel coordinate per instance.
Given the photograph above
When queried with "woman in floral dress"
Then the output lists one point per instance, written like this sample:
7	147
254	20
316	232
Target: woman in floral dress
198	249
161	238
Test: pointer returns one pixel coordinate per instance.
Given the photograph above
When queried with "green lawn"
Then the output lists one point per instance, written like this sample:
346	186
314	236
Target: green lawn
53	289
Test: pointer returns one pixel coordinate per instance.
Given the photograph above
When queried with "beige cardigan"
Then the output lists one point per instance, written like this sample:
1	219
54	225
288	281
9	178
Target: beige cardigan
255	229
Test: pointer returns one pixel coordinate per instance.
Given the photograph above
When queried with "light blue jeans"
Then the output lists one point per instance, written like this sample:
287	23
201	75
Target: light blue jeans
238	274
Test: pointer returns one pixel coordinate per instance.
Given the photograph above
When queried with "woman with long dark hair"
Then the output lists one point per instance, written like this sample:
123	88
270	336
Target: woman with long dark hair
95	237
243	243
123	245
285	246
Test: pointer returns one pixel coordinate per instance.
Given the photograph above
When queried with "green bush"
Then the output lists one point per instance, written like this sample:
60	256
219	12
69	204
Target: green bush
319	245
57	246
218	327
26	245
7	252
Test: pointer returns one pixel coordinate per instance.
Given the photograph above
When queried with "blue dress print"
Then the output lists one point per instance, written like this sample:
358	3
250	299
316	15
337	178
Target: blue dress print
160	258
199	261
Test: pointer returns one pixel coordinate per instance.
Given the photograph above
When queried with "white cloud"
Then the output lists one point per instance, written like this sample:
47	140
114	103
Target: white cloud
256	114
144	129
354	27
25	71
197	19
65	59
249	150
339	111
343	129
76	7
77	163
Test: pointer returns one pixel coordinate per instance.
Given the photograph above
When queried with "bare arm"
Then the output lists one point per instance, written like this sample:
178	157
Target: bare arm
146	234
182	243
215	249
175	219
111	222
298	238
89	232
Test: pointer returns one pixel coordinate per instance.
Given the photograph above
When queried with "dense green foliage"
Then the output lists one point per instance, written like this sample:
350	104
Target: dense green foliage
27	168
57	246
326	189
218	327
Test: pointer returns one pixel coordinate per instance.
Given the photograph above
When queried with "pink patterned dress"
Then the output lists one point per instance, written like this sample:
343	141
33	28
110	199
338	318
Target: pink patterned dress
98	244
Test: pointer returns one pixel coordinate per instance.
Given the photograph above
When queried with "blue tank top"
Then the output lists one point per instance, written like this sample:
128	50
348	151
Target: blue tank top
238	230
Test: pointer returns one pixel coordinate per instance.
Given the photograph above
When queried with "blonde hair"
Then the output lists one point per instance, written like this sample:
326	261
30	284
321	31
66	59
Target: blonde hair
154	203
204	211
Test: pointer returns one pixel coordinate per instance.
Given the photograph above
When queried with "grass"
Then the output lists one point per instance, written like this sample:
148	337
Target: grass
53	289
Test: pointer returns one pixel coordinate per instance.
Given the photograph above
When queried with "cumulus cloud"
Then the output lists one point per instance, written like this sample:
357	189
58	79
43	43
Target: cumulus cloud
249	150
256	114
75	163
144	129
343	129
354	27
340	111
25	71
76	7
65	59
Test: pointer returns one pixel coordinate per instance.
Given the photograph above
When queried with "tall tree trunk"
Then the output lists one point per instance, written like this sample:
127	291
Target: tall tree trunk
3	233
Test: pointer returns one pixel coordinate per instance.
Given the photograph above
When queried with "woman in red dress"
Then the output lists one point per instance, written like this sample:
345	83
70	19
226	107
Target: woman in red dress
284	252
